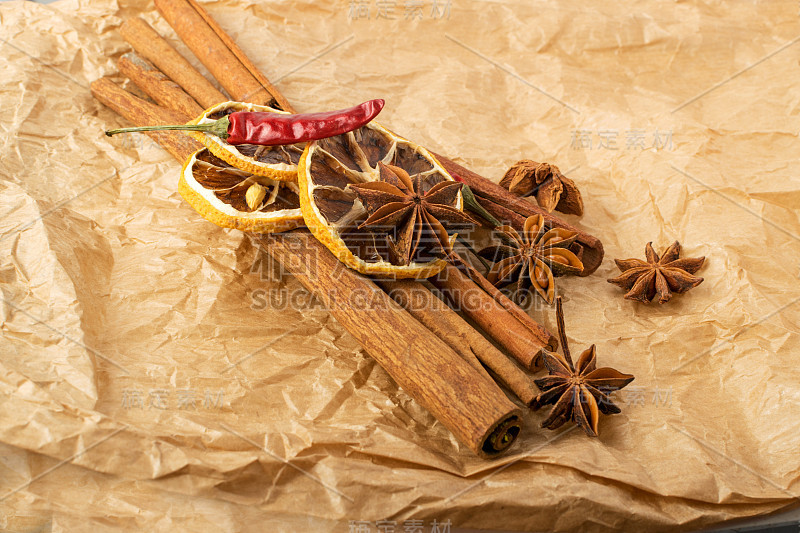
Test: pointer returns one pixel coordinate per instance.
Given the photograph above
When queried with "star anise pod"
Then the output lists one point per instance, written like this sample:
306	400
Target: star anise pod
552	189
533	258
579	391
411	217
644	279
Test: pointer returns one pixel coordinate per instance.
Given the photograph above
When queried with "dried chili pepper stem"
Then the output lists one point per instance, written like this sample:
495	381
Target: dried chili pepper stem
472	204
271	129
218	128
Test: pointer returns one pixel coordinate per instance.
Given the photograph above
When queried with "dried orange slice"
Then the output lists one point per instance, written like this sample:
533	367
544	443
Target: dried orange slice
333	212
234	198
276	162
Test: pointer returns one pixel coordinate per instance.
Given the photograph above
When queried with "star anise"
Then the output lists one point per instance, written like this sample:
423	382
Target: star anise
579	392
553	190
411	217
644	279
531	260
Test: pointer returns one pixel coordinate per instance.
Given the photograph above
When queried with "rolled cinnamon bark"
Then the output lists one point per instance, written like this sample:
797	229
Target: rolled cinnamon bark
449	326
539	331
421	303
279	100
508	207
467	402
523	339
157	86
143	113
216	52
154	48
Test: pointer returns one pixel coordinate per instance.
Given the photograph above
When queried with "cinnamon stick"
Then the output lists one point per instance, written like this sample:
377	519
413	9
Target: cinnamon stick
280	100
143	113
449	326
508	207
214	53
157	86
154	48
415	298
468	403
523	342
516	311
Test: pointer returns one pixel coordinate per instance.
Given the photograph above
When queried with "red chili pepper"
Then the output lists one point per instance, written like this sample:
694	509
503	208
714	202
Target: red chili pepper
271	129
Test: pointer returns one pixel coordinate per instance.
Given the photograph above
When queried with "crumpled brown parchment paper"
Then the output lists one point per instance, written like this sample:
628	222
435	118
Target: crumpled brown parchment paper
158	373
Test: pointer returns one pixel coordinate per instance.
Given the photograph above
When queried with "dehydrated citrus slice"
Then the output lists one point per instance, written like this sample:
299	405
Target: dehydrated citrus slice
276	162
234	198
333	212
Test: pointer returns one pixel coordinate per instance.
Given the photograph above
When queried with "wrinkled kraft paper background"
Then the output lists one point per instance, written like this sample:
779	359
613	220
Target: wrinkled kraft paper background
157	372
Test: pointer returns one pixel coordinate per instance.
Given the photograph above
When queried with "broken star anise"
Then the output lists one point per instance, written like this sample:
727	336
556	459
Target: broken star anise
531	260
579	391
411	217
552	189
644	279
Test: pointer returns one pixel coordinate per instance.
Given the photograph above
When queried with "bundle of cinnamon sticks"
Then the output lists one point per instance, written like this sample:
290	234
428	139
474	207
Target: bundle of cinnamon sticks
446	364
